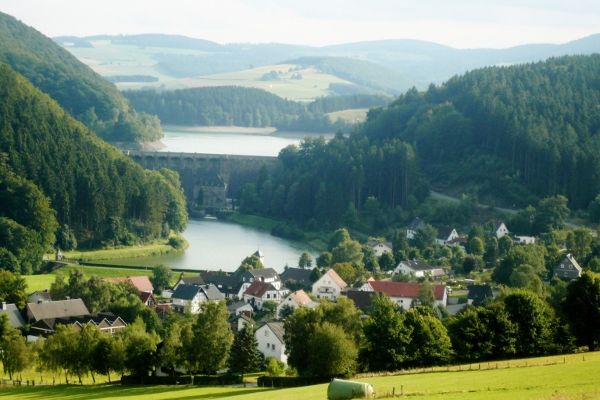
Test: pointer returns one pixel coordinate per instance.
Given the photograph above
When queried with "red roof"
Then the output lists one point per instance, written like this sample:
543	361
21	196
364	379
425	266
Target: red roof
141	283
300	297
405	289
258	289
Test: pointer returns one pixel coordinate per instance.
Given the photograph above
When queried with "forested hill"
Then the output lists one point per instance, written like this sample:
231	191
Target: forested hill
78	89
515	133
99	195
235	105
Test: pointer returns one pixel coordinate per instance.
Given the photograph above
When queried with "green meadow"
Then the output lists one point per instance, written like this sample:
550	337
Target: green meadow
568	377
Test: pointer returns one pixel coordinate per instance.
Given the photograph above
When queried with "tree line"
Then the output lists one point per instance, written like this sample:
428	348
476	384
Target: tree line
66	175
233	105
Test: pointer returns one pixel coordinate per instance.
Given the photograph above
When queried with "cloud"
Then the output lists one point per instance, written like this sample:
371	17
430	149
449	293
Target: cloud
460	23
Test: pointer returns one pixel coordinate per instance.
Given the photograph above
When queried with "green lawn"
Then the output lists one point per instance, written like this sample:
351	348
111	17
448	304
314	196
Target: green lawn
146	250
569	377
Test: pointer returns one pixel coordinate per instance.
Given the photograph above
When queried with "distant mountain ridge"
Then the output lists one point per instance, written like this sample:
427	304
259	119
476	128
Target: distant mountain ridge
417	62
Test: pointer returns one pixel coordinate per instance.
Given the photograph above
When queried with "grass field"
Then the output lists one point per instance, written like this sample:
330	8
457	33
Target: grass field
566	378
353	115
41	282
146	250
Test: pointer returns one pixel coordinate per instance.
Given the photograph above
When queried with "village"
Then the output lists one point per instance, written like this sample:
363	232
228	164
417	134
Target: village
259	299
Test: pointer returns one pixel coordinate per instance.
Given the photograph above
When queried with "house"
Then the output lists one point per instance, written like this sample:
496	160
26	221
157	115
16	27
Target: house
362	300
228	284
446	235
148	299
270	340
379	247
568	268
41	296
296	278
191	297
141	283
190	280
413	228
501	230
418	269
525	239
259	292
105	322
163	309
14	316
56	309
479	293
329	286
406	294
267	275
294	300
240	307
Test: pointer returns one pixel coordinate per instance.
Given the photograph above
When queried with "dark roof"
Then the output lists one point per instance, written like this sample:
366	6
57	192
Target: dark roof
362	300
478	293
568	261
444	231
298	275
40	295
258	288
50	323
185	292
188	292
13	314
57	309
192	280
145	296
266	273
418	265
225	282
405	289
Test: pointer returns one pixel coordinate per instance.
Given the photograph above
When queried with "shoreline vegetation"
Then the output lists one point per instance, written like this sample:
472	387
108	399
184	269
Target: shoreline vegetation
243	130
156	248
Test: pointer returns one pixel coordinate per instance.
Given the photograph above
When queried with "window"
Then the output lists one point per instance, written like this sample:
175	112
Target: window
273	346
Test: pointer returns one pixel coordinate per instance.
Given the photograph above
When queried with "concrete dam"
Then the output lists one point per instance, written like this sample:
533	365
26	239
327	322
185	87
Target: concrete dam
207	179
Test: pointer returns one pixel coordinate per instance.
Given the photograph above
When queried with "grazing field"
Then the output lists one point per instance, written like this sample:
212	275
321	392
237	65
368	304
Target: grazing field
353	115
569	377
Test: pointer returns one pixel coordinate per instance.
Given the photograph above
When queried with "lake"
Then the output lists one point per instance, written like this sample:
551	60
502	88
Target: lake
228	140
222	245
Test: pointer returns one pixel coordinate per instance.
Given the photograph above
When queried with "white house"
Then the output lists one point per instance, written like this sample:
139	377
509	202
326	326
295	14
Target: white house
259	292
329	286
525	239
379	247
406	294
446	235
191	297
294	300
270	341
267	275
418	269
501	230
240	307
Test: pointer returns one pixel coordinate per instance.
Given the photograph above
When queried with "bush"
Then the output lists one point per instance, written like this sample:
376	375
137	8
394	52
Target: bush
289	381
202	380
176	242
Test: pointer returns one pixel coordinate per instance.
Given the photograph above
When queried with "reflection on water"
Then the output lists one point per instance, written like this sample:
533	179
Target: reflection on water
226	143
222	245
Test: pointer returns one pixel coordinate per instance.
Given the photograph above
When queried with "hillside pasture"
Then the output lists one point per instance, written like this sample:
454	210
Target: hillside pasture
558	377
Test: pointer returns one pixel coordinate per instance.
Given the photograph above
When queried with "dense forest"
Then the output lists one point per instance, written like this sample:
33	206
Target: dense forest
79	90
514	133
99	195
232	105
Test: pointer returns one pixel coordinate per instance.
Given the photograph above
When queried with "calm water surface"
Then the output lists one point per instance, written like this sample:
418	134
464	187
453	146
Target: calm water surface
226	142
221	245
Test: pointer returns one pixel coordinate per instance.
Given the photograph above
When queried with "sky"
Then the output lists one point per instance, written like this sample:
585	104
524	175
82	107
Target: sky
457	23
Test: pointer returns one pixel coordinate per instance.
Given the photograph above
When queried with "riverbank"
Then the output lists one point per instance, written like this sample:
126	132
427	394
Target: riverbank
245	130
157	248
